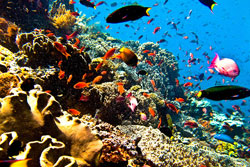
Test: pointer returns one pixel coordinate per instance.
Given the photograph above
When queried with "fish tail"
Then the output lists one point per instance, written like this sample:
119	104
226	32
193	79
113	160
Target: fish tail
214	61
212	6
67	37
199	94
148	9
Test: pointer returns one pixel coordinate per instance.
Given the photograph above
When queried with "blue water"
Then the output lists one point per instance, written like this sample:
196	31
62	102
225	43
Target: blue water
227	30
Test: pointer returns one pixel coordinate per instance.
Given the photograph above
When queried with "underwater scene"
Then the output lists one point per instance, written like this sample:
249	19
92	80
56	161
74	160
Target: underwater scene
89	83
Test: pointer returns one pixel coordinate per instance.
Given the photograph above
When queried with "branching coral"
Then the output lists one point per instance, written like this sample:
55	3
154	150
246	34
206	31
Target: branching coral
63	19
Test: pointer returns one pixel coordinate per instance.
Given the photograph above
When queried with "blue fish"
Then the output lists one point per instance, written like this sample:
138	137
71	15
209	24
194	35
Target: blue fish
224	137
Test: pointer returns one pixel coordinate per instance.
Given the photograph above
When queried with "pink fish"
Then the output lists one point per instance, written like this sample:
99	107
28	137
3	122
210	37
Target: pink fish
133	103
226	67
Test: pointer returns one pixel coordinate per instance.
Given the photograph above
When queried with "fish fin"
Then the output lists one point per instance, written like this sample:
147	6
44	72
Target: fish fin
199	94
22	163
148	9
214	61
212	6
94	7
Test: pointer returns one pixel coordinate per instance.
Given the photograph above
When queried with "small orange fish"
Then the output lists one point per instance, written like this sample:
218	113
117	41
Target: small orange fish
82	48
69	79
187	84
99	66
61	49
107	27
104	72
74	112
149	62
61	74
146	95
71	2
76	43
172	107
121	89
97	79
181	100
50	34
81	85
75	14
156	30
185	37
153	84
151	111
47	91
109	53
177	82
159	125
60	63
145	51
151	54
74	34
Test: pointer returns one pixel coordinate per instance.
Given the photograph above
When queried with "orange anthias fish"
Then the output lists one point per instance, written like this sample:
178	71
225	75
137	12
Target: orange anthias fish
145	51
187	84
177	82
172	107
121	89
97	79
71	2
146	95
69	79
99	66
81	85
151	111
74	112
181	100
76	43
159	125
61	74
109	54
191	124
74	34
153	84
61	49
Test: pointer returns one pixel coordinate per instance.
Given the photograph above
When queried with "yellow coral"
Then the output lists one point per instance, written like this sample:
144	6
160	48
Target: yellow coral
227	148
63	19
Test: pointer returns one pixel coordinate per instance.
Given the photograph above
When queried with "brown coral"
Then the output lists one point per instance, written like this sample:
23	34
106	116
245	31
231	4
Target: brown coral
8	32
7	82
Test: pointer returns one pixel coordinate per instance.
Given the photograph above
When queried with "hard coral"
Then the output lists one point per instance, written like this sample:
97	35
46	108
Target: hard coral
36	115
8	32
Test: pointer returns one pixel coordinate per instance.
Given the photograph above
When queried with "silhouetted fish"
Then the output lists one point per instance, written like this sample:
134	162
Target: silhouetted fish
128	13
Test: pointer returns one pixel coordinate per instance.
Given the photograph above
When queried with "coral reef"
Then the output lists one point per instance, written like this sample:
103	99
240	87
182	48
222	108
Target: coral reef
8	32
163	151
7	82
34	12
36	114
